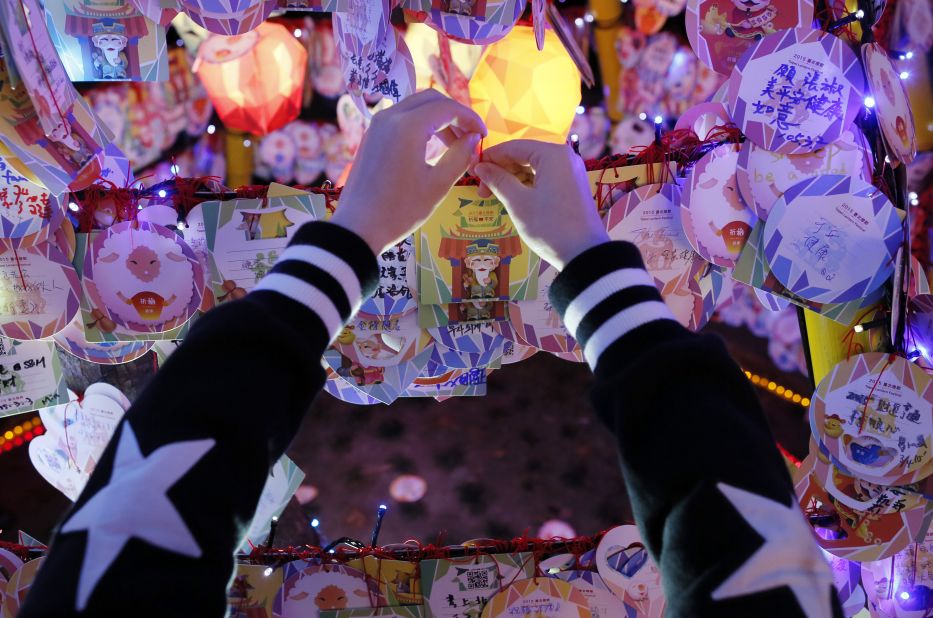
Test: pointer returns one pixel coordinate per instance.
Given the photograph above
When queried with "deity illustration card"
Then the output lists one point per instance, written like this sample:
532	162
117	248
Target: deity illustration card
471	312
30	376
107	40
247	236
398	583
469	250
462	586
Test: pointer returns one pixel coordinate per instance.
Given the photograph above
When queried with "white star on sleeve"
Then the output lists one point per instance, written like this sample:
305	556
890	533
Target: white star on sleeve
134	503
789	556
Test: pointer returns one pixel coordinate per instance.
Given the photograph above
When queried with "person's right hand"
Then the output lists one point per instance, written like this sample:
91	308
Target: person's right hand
545	189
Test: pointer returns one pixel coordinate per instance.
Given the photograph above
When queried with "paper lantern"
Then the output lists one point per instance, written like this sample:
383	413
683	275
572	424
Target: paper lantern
254	79
524	93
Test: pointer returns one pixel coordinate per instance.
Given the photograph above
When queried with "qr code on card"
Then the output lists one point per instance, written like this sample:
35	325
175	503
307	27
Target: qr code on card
477	579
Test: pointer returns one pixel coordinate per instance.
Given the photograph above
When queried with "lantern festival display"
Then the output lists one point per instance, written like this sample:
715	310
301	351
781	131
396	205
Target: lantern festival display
522	93
254	79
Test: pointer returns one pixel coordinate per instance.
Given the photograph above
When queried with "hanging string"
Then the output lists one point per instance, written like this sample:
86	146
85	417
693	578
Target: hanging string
19	267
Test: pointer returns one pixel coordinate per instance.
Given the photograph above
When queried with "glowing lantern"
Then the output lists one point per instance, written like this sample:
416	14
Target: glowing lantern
524	93
254	79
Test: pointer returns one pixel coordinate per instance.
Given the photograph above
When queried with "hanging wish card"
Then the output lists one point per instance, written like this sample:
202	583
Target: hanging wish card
624	564
892	105
76	434
600	599
71	339
480	342
544	597
39	291
253	591
537	323
380	355
763	176
862	495
851	534
28	212
479	22
514	352
396	291
450	383
796	90
66	159
469	250
397	580
310	588
281	485
469	312
847	580
107	40
714	216
141	280
30	376
832	239
341	389
18	587
228	17
649	217
874	416
720	31
703	118
246	237
461	587
900	585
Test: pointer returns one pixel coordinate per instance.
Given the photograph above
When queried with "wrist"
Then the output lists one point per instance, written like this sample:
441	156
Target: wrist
574	246
367	232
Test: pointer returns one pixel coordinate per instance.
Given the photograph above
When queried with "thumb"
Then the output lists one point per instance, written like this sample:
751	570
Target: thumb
502	182
453	163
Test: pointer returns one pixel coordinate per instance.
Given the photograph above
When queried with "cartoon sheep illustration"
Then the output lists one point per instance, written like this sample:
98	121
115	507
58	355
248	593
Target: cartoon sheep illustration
321	590
721	231
143	277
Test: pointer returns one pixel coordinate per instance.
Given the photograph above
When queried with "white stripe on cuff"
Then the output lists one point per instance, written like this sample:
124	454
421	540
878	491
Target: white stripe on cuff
308	295
621	324
336	267
600	290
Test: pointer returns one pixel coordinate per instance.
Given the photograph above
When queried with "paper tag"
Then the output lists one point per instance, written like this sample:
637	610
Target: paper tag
479	22
703	118
796	90
484	339
344	391
600	599
900	585
874	416
715	219
139	279
847	580
228	17
30	376
18	587
26	209
892	106
832	239
764	176
395	293
252	592
544	597
720	31
309	588
457	587
397	581
72	340
442	382
39	291
625	566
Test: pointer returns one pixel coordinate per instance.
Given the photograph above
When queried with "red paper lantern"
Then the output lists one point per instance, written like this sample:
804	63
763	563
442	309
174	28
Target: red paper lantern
254	79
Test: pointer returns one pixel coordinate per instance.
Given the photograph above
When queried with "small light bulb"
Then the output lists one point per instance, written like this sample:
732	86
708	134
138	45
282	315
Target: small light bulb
912	195
578	22
275	520
211	129
887	159
267	572
909	55
73	207
859	14
174	169
383	507
574	137
179	43
905	595
247	143
904	74
588	18
181	225
297	33
869	102
643	116
315	522
161	193
658	120
580	110
858	328
914	202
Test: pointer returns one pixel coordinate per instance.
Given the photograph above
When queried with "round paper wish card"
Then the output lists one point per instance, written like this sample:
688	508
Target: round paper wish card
380	355
142	278
796	90
703	118
541	597
720	31
873	414
649	217
515	352
850	533
344	391
862	495
891	104
479	23
847	580
71	339
920	326
396	292
481	341
714	216
623	562
763	176
599	598
899	586
537	323
18	587
832	239
39	291
26	209
308	587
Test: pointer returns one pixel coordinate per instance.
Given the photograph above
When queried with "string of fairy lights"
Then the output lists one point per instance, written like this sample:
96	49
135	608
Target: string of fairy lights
21	434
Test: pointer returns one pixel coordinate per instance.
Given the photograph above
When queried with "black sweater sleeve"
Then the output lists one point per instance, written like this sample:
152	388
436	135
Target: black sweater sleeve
156	526
708	487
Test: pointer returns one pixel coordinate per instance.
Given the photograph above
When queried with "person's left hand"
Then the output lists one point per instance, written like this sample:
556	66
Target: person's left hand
391	189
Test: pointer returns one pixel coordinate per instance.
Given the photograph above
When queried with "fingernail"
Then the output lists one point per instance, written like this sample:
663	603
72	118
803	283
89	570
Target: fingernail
480	169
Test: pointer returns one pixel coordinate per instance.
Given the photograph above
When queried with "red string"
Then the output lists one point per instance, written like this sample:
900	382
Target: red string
19	267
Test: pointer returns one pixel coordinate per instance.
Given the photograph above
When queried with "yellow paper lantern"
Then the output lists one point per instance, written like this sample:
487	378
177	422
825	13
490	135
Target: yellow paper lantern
254	79
523	93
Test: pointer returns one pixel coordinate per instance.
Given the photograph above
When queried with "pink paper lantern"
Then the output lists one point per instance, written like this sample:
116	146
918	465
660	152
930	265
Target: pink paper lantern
254	79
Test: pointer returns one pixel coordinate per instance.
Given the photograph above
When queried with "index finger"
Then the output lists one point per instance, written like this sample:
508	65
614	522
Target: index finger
520	152
437	114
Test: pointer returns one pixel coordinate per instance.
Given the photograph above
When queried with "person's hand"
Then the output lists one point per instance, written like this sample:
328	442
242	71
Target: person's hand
391	190
545	190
